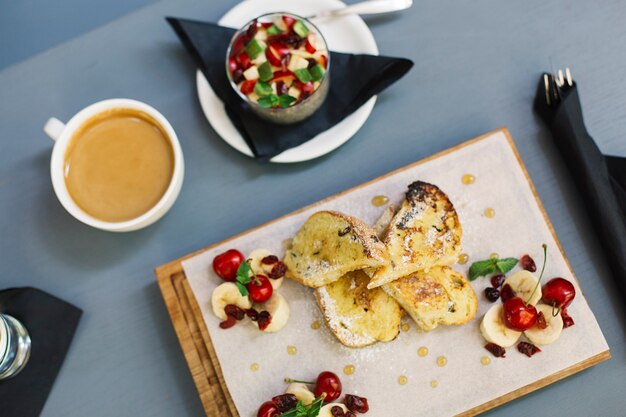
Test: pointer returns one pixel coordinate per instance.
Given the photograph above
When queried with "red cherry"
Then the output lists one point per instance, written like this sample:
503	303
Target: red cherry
247	86
273	56
328	383
244	60
268	409
307	87
260	289
506	293
285	76
309	46
558	292
518	315
239	44
528	263
225	265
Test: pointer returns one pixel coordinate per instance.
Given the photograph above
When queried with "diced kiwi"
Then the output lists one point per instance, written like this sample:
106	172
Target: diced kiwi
303	75
265	71
262	89
317	72
254	48
274	30
300	28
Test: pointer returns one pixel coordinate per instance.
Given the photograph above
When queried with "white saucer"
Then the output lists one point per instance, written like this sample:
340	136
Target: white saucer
345	34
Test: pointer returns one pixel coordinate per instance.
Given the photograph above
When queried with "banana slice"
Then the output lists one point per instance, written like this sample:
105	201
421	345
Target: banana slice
325	411
279	309
549	334
227	293
523	283
302	392
495	331
259	268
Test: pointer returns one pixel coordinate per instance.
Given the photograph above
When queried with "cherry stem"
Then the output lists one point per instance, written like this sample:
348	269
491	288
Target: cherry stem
289	380
558	310
543	268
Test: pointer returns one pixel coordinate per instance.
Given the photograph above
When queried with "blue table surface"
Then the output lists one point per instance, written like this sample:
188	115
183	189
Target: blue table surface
476	68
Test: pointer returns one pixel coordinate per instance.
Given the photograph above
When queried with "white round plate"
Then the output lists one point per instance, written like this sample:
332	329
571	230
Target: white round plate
345	34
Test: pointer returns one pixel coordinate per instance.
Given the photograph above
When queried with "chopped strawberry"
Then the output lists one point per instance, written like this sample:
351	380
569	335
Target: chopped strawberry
239	44
309	46
307	87
244	60
289	21
247	86
284	76
232	65
266	24
272	56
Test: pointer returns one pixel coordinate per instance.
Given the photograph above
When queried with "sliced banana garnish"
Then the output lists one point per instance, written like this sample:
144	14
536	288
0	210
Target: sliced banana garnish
302	392
495	331
325	411
551	332
279	309
523	283
227	293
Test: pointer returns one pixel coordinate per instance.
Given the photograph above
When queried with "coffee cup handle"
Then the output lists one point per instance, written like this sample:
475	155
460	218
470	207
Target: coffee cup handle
54	128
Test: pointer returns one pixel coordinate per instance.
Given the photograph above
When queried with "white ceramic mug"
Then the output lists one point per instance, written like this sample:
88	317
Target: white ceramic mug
62	134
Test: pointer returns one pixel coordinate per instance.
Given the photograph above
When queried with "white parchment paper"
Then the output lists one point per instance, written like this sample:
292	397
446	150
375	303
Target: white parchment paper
518	228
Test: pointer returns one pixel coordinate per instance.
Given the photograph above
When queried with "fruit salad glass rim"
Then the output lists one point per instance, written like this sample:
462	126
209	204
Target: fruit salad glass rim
265	16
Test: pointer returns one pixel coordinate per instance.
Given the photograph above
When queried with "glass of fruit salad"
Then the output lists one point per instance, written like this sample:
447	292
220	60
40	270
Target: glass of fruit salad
279	63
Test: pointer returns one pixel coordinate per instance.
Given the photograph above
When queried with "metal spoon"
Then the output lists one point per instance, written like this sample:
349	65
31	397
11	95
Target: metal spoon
366	7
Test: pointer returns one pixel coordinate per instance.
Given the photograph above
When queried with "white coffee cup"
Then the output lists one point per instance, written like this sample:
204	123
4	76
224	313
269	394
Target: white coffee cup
62	134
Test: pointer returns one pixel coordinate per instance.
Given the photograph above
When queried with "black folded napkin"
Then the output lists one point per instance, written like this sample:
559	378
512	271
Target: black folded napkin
600	179
51	323
354	79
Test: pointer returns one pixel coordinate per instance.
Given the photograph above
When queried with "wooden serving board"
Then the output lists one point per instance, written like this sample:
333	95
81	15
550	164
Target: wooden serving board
202	359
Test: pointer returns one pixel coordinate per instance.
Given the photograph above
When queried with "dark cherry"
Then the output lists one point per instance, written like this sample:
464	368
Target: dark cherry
312	63
349	414
506	293
226	264
568	321
238	76
527	349
497	280
558	292
356	403
260	289
278	270
228	323
252	314
337	411
518	315
252	29
527	263
285	402
270	259
328	383
264	320
268	409
234	311
541	321
492	294
496	350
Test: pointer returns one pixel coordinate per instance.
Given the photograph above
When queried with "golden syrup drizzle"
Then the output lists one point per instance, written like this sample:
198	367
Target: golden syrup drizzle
423	351
463	258
489	212
485	360
434	383
255	367
442	361
402	380
315	325
380	200
292	350
405	327
494	255
468	179
348	369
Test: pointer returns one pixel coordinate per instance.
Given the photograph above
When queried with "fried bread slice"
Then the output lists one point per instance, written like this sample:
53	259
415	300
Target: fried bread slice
331	244
357	316
439	296
424	232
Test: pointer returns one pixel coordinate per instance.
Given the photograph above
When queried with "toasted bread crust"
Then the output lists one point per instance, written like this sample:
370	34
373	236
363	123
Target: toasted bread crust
425	232
330	244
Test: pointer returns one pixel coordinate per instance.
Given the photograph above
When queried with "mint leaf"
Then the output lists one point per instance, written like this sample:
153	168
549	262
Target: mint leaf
301	410
269	101
243	277
285	100
315	407
506	264
482	268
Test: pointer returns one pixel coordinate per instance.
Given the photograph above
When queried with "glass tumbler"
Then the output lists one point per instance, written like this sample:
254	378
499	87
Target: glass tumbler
14	346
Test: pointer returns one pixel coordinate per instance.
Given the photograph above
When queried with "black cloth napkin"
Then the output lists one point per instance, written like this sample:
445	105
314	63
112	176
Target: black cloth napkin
354	79
600	179
51	323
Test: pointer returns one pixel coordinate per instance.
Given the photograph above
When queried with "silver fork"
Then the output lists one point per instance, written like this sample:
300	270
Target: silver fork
556	83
